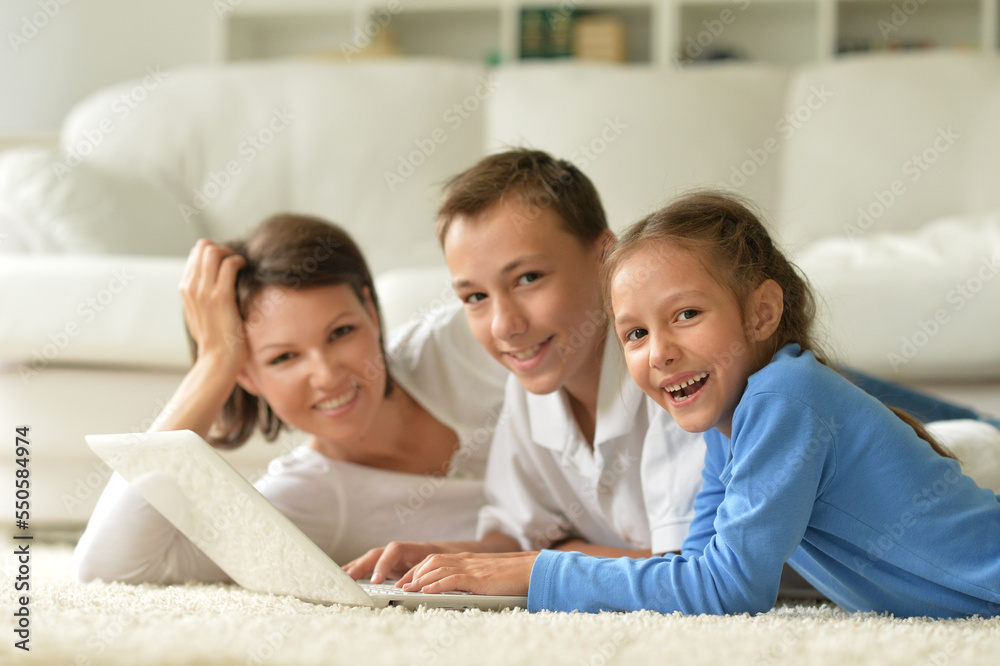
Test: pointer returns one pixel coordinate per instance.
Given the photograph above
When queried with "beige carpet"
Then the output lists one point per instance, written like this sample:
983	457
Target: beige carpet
83	625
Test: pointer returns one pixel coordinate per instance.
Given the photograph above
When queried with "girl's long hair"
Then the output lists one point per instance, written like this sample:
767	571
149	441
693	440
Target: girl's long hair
297	252
733	244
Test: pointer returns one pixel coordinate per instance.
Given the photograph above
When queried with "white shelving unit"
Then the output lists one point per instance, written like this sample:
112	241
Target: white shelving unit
659	31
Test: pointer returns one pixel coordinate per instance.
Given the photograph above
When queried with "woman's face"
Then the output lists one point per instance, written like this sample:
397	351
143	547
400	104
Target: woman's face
315	358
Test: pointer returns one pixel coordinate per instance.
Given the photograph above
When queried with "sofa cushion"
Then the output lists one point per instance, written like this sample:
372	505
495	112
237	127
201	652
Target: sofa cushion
126	311
895	143
48	206
913	306
643	133
112	311
366	144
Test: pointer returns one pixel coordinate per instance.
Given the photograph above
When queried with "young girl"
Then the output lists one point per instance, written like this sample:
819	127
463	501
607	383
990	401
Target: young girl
801	465
288	335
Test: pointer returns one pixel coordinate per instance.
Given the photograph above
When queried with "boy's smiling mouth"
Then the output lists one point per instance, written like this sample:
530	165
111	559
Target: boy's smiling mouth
685	390
528	353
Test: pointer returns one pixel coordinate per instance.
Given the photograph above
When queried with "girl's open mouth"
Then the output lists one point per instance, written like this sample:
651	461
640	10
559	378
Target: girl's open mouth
686	391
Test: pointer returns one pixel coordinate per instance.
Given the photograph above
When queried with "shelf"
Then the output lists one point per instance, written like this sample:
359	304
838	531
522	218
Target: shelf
251	36
778	31
466	33
660	32
878	25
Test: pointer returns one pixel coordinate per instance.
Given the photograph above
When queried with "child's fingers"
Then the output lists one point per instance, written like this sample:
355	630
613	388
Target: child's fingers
435	576
424	572
406	578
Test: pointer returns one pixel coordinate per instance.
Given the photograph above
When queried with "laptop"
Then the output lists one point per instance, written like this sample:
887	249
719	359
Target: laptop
197	490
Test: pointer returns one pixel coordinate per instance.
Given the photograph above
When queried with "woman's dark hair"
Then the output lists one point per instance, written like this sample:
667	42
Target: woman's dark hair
296	252
733	244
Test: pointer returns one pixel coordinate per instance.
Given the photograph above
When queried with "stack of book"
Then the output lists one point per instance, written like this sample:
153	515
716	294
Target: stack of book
563	32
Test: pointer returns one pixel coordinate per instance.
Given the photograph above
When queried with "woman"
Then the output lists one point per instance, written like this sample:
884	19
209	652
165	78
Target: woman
287	333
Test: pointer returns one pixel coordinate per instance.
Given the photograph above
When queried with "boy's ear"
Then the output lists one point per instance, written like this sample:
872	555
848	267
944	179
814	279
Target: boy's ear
769	304
605	242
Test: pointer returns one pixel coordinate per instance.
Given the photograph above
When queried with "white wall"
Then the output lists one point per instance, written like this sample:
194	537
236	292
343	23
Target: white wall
55	52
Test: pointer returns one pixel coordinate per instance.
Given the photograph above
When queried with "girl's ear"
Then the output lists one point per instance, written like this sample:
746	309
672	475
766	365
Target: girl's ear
247	383
769	304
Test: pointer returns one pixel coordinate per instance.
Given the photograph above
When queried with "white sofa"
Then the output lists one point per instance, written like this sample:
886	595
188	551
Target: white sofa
881	176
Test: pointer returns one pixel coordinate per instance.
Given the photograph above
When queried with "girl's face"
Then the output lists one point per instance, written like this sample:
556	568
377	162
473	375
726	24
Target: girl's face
315	358
683	334
532	295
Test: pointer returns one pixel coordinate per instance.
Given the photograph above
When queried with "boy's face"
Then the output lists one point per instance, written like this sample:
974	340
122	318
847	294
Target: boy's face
531	294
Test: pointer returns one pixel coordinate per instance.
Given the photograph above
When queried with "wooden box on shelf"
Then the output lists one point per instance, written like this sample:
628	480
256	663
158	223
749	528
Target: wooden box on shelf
599	37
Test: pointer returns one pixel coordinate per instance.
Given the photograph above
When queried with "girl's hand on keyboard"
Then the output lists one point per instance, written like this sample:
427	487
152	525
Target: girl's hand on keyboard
478	573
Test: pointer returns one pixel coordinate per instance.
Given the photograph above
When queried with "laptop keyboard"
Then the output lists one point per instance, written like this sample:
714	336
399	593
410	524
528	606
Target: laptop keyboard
390	588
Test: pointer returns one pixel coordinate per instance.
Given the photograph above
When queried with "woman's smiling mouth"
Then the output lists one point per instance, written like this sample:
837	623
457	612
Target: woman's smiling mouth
338	401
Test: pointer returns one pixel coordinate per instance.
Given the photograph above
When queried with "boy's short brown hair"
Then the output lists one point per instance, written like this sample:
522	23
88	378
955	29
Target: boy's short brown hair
537	179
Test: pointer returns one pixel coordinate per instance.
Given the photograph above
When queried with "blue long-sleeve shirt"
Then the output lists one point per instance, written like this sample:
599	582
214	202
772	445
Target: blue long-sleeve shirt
822	475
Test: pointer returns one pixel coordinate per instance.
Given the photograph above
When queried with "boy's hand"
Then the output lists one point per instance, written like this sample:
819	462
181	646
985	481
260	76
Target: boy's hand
393	560
479	573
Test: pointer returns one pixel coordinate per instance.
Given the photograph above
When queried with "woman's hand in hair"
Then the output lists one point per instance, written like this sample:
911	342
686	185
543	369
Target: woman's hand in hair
208	289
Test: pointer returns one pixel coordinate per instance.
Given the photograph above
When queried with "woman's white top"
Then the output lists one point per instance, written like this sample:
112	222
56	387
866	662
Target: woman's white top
345	508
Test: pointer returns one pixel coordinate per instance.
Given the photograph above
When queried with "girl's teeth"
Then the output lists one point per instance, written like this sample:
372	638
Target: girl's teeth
333	403
697	378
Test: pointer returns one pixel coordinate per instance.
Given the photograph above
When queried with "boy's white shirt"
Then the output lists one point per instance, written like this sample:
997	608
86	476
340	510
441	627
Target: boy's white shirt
544	483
